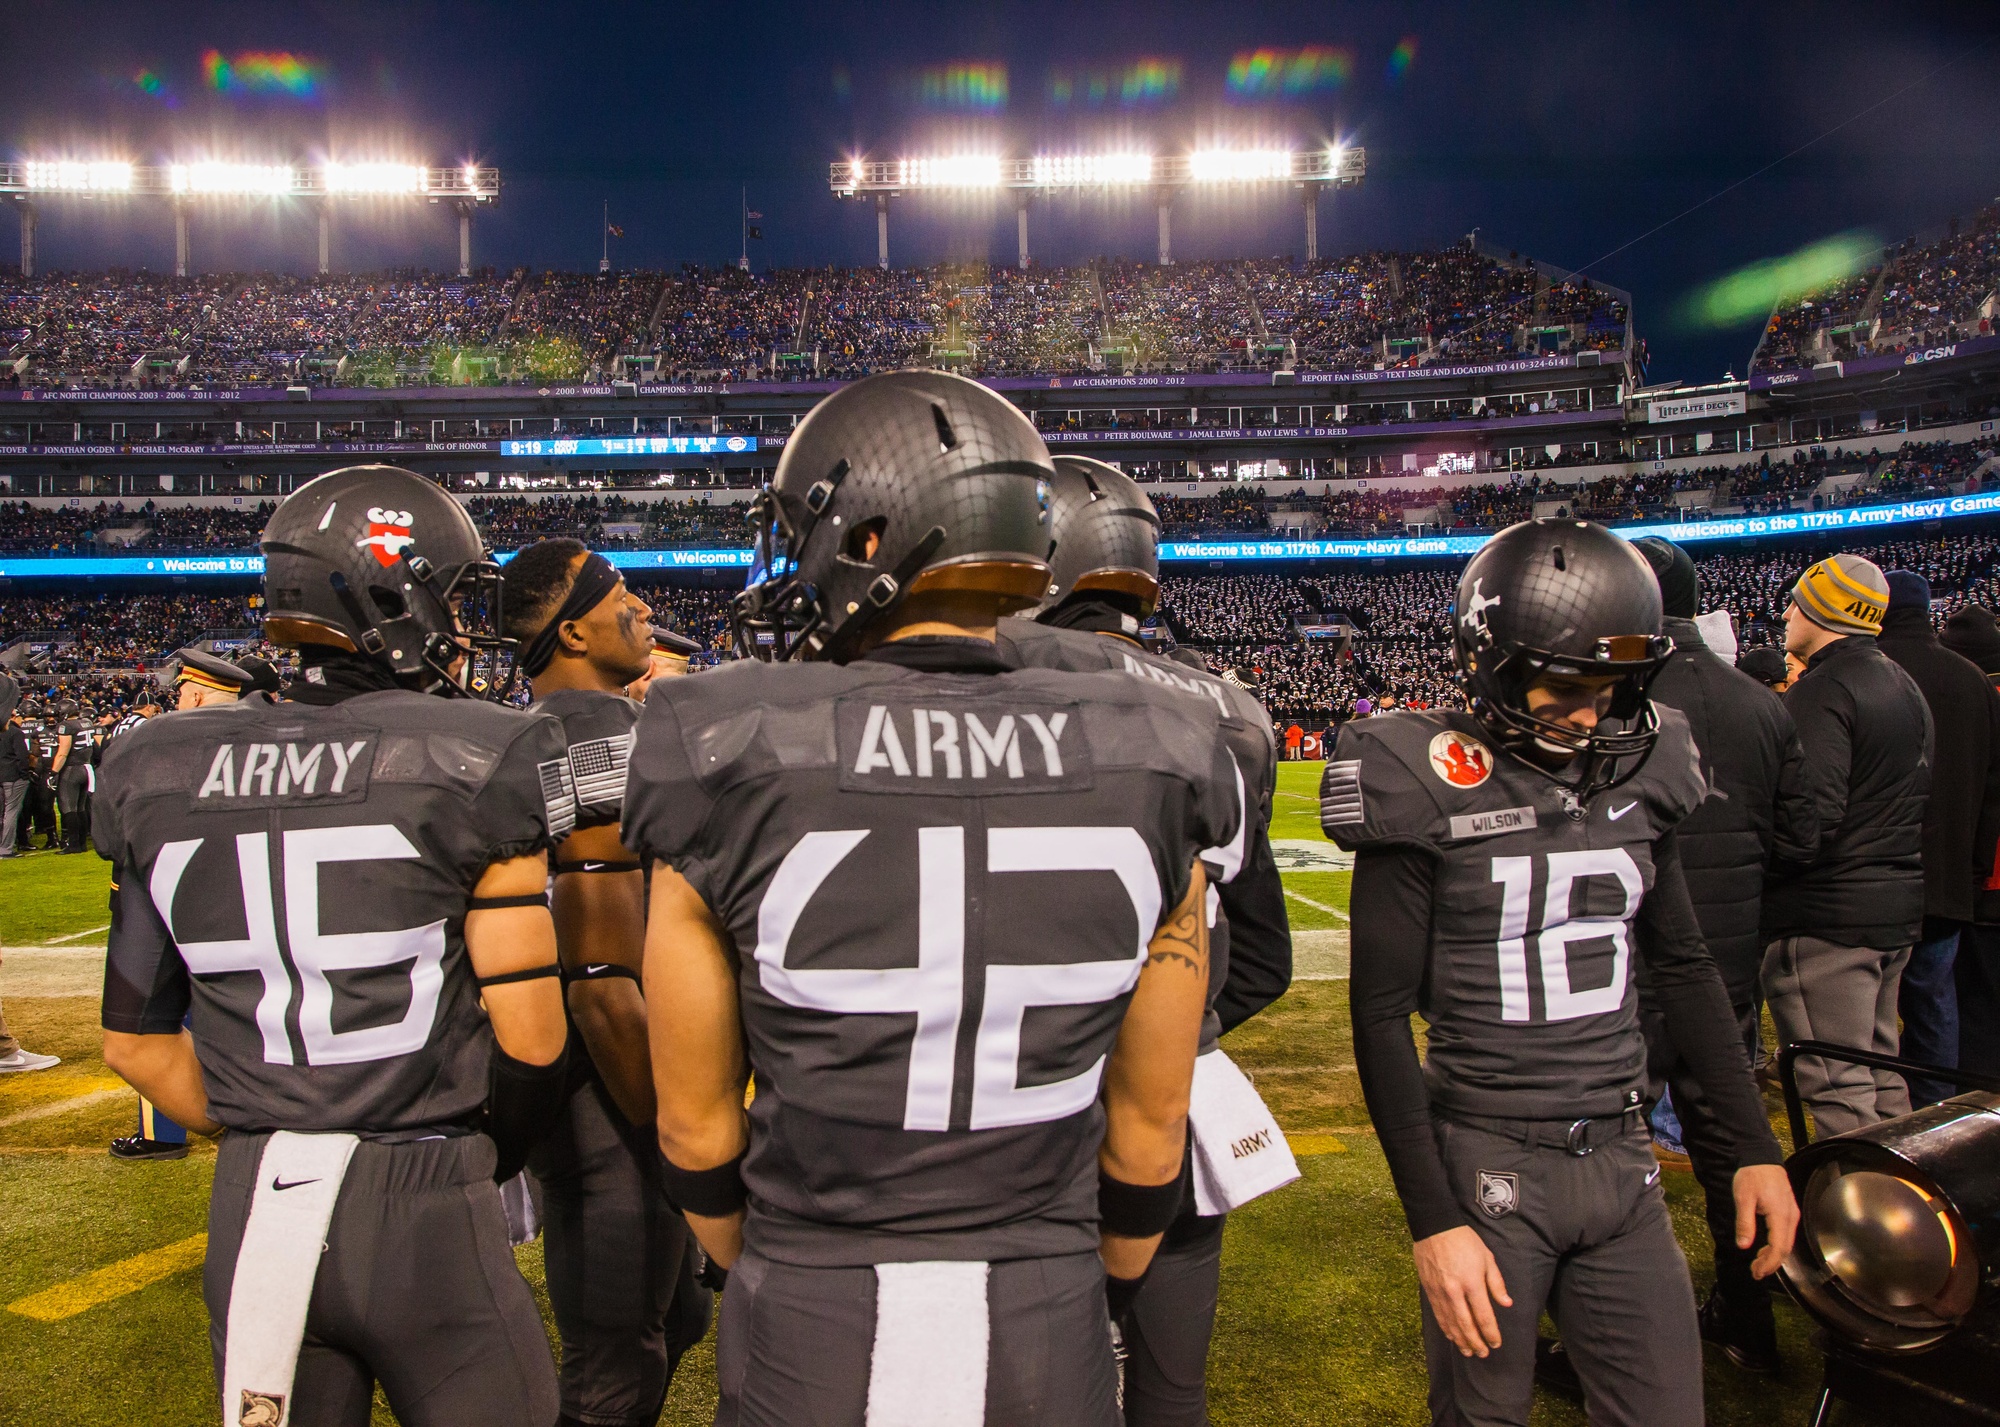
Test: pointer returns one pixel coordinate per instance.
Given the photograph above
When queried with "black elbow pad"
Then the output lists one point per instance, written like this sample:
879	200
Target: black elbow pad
522	1102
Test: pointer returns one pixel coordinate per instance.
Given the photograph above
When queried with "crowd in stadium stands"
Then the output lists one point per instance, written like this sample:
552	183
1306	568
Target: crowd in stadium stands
97	648
404	328
610	522
1919	295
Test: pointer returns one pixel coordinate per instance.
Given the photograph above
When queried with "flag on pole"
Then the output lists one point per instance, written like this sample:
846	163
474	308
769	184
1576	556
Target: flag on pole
615	230
757	232
753	215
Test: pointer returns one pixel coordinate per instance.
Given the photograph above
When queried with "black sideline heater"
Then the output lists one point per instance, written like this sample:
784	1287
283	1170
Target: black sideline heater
1898	1249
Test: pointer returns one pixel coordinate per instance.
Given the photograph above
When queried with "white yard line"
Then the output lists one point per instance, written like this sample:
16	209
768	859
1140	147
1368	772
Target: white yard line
79	936
1316	906
60	1107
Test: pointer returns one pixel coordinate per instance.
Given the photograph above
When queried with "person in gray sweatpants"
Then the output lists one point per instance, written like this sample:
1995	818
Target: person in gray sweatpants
1838	931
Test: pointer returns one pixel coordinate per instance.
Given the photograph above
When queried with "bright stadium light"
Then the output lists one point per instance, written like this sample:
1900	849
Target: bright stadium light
1239	165
72	176
956	171
1089	170
211	177
372	178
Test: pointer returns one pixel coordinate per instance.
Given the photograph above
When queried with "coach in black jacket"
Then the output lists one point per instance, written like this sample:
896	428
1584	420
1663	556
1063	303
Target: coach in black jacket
1839	930
1760	803
1966	715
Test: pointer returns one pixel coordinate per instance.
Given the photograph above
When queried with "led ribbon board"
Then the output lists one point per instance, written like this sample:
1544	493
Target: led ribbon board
629	446
1694	532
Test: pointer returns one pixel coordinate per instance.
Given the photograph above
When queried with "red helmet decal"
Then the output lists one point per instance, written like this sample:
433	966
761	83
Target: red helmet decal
1462	762
388	533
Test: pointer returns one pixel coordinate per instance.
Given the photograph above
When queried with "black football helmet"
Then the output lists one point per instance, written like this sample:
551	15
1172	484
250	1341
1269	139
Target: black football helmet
378	561
1107	536
1562	597
951	480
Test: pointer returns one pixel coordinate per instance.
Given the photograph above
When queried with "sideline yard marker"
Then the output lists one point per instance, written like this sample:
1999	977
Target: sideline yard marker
81	1294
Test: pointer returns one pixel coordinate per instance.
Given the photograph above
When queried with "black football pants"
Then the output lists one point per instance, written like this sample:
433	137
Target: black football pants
416	1290
73	798
620	1265
1711	1154
795	1345
1587	1237
1169	1326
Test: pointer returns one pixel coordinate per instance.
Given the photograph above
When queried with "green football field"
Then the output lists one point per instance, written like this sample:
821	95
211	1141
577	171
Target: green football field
101	1318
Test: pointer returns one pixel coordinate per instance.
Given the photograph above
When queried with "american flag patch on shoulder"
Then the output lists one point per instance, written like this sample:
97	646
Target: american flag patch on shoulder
598	770
558	797
1340	794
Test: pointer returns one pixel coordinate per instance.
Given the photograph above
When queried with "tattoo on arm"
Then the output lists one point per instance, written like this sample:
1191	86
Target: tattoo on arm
1182	940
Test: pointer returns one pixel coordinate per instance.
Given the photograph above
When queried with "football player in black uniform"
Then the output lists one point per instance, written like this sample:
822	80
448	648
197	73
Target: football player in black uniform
619	1257
349	892
950	914
1516	872
1104	582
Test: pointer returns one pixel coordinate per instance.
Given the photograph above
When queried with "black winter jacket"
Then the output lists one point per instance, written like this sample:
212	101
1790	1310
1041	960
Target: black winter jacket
1759	804
1965	713
17	760
1868	742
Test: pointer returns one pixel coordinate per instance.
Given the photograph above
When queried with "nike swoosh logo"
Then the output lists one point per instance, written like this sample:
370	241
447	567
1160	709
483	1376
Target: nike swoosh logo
1654	1175
280	1185
595	967
1617	813
593	866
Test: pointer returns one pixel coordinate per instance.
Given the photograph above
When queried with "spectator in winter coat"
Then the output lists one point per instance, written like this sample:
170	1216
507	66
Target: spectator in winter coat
1965	712
1839	929
1973	633
1760	803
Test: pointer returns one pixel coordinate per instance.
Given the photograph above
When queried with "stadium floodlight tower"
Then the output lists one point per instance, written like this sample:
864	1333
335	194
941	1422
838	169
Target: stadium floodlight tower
205	180
1310	170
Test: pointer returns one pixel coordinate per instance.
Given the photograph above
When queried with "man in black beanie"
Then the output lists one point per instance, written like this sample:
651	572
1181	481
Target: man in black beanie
1966	713
1972	633
1759	804
1767	666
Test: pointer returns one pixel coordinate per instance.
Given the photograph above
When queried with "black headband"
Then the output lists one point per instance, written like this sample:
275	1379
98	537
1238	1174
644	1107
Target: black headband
596	579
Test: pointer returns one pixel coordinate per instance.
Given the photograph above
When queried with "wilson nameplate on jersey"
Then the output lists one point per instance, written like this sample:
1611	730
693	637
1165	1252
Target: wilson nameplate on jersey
279	774
1491	824
983	745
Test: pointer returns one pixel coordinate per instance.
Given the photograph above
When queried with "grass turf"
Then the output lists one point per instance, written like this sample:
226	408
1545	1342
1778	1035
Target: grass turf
46	895
1318	1320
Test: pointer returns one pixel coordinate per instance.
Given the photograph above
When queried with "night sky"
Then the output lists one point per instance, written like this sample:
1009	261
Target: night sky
1562	132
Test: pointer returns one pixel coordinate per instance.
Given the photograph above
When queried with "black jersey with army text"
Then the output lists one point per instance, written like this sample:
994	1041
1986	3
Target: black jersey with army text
941	888
1530	994
1247	892
297	876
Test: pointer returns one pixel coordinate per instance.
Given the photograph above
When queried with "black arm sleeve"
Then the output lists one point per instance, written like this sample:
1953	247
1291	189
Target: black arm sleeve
1260	936
1680	978
1391	922
521	1107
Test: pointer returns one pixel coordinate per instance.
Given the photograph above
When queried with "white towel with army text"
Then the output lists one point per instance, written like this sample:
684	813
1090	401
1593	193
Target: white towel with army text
298	1180
931	1337
1239	1151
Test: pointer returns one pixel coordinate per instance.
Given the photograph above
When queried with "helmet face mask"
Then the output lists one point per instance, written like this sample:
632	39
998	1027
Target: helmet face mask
1560	600
382	563
898	484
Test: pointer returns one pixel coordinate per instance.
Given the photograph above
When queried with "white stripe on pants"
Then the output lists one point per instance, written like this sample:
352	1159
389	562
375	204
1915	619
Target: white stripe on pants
1822	991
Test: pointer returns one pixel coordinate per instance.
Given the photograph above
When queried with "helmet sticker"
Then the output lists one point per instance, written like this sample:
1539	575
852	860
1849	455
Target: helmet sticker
1476	607
388	533
1462	762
